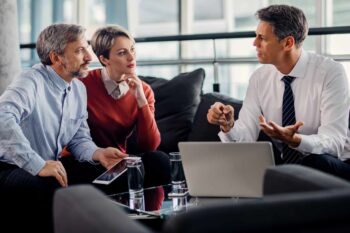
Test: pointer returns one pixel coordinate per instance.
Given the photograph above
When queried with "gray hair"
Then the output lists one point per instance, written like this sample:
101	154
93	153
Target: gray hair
55	38
286	21
103	39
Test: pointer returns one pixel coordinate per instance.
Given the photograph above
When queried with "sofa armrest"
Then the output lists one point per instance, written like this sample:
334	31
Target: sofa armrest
322	211
296	178
83	208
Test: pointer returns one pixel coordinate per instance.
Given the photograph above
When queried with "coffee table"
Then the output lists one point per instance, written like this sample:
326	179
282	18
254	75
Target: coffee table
161	203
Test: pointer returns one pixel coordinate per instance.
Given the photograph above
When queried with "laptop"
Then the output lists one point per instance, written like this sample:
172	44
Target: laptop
216	169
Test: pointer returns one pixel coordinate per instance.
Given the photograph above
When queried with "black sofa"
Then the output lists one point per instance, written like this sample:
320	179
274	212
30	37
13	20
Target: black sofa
181	110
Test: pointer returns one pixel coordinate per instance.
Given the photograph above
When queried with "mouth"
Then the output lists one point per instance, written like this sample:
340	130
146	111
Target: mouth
85	65
131	65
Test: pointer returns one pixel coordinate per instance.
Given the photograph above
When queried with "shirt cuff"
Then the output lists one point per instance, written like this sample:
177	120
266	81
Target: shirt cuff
35	165
87	152
306	144
226	137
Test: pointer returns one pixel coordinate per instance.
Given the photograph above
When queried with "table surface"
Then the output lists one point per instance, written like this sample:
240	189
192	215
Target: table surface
160	202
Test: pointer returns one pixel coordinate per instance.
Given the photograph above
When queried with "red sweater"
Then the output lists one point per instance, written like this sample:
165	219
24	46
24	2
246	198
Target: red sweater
111	121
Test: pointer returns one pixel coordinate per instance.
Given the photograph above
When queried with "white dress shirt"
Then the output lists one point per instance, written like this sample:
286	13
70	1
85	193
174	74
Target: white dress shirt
321	99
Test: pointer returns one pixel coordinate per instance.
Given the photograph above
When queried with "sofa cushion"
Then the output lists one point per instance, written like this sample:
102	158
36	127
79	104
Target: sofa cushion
176	103
203	131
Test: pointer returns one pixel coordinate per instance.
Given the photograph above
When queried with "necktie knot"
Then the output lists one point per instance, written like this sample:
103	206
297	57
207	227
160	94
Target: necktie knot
288	80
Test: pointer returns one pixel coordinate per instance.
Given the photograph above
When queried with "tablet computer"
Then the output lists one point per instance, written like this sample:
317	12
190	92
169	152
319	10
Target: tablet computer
114	172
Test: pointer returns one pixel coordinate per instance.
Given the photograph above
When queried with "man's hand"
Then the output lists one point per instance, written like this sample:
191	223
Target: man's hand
108	156
288	134
55	169
222	115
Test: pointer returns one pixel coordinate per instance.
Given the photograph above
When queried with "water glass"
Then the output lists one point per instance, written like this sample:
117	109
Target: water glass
177	173
135	183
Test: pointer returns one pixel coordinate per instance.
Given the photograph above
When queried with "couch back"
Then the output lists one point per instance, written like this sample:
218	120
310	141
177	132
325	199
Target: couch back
181	110
176	104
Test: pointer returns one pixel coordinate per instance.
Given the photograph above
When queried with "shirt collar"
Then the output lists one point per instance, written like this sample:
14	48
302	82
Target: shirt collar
109	84
300	67
57	80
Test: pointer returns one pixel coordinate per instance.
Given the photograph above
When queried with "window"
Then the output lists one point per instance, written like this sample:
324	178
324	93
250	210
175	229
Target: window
235	59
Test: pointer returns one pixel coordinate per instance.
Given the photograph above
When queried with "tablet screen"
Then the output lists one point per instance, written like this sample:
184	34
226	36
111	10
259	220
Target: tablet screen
113	173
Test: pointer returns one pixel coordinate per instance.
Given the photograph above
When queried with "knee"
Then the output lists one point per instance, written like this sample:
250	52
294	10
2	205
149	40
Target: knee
157	167
320	162
157	158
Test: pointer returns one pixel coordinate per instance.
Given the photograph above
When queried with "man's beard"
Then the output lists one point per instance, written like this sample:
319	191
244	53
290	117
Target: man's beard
79	73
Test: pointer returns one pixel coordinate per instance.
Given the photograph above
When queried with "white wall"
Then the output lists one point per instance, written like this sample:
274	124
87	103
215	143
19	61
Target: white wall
9	43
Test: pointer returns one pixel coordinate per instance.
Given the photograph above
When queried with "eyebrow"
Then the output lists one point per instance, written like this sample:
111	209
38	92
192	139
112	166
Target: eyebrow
125	48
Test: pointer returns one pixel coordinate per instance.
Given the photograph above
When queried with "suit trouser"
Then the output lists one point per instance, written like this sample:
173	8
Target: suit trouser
329	164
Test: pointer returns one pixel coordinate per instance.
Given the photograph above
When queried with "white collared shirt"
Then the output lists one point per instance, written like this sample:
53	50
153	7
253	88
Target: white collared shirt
321	99
114	89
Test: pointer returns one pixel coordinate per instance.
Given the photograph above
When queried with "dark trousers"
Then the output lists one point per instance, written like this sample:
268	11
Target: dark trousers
329	164
323	162
26	201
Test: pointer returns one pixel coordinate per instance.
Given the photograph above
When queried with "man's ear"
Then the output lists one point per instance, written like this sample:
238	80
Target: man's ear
289	42
54	57
103	60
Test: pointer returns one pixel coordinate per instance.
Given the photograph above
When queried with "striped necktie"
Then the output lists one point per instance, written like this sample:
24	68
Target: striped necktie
289	155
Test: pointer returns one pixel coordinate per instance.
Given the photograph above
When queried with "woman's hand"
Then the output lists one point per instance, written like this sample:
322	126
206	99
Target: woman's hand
136	89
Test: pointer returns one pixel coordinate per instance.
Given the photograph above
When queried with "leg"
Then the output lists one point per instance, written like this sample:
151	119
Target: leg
328	164
157	168
26	199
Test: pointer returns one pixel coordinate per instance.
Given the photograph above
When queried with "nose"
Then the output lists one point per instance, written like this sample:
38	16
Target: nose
131	56
256	42
87	56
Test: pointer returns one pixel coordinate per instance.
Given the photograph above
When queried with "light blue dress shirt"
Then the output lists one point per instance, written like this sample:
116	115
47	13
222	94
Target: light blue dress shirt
40	113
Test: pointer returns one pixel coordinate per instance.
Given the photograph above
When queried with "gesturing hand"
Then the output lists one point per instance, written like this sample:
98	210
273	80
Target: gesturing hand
288	134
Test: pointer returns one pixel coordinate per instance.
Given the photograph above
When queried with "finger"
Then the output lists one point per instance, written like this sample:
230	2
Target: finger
60	179
217	108
228	109
266	128
275	126
264	124
262	119
122	155
298	125
114	162
64	175
213	117
122	78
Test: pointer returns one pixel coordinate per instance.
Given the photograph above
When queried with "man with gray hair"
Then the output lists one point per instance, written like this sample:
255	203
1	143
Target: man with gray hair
297	98
41	112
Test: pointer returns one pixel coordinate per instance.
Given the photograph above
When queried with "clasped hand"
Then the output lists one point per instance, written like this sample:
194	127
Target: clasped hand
222	115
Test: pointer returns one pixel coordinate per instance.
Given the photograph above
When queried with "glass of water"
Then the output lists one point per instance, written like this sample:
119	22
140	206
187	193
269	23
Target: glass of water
177	173
135	183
